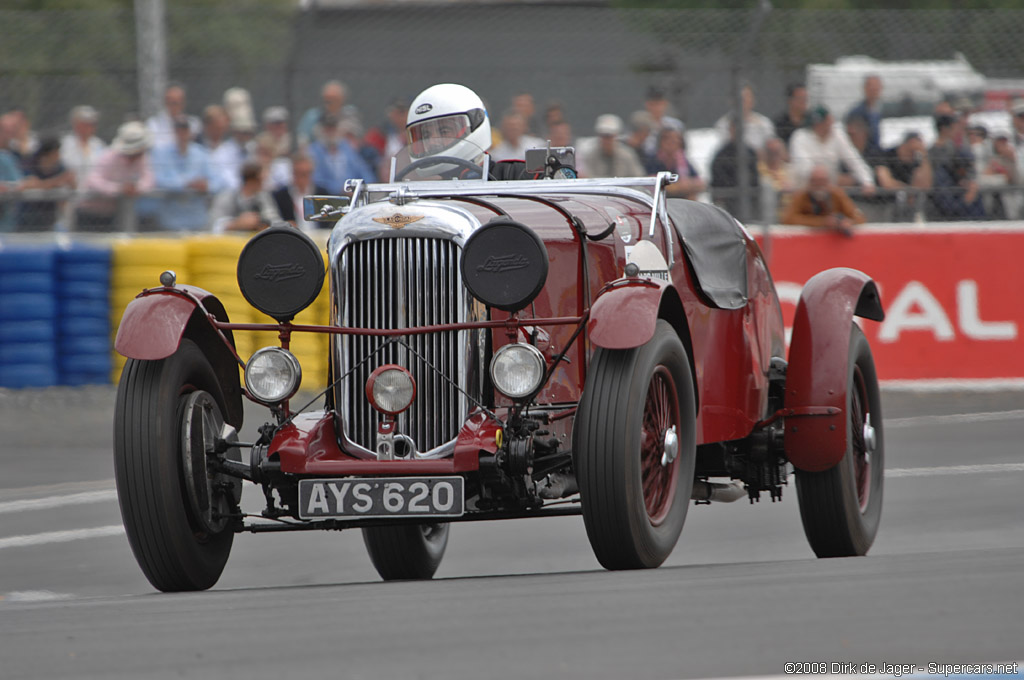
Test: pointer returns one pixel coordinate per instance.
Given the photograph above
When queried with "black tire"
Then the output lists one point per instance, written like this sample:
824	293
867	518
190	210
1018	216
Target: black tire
841	507
634	506
173	548
409	552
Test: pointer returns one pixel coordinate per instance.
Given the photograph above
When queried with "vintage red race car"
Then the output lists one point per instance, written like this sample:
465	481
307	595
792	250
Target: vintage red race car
500	349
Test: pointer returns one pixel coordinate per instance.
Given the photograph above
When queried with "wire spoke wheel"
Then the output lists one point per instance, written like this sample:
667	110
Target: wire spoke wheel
635	447
659	467
859	425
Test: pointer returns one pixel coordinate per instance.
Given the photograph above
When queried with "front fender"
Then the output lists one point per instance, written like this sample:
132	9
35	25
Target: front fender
155	322
817	377
625	315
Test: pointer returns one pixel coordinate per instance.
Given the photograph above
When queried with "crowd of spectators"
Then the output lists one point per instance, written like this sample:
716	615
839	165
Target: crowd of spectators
223	170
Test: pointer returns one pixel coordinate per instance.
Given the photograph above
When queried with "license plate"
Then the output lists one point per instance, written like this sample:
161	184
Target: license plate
380	497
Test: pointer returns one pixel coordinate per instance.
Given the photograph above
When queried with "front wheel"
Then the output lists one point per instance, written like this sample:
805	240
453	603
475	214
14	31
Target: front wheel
406	552
635	444
841	507
175	508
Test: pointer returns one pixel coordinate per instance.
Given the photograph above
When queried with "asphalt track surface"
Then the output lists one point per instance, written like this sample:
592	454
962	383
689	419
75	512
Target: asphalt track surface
741	595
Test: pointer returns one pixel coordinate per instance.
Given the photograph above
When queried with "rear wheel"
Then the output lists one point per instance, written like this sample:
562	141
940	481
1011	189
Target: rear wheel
406	552
174	507
635	449
841	507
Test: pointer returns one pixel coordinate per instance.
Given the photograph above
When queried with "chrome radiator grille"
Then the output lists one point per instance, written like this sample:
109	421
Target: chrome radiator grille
402	283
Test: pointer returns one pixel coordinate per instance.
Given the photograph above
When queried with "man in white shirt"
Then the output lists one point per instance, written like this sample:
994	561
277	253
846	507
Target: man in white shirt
225	155
757	127
514	140
824	144
161	126
81	149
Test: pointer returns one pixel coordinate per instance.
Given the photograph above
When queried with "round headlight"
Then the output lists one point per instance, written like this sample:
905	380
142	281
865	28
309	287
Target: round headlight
517	369
390	389
272	375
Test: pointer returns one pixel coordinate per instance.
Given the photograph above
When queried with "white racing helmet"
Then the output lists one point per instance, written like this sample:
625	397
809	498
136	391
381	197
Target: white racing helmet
448	120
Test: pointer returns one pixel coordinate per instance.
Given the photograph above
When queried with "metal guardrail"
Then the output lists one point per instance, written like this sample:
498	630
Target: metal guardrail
76	212
92	212
910	204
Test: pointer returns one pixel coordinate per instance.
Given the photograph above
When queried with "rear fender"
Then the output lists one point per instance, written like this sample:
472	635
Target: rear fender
154	324
817	376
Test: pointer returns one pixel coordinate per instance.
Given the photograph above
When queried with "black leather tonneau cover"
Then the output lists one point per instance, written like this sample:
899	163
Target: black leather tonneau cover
716	249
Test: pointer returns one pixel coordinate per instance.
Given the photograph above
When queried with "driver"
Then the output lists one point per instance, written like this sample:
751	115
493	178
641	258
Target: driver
450	120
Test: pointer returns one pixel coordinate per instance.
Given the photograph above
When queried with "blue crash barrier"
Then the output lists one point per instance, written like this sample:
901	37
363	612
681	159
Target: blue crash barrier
28	317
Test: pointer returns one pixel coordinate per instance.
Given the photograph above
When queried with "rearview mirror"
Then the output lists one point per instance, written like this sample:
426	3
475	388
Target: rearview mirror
324	208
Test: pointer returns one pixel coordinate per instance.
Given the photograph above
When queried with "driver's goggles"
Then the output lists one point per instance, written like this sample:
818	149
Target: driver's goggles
433	136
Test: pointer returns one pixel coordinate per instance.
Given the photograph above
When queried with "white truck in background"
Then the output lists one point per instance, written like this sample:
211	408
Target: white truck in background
909	88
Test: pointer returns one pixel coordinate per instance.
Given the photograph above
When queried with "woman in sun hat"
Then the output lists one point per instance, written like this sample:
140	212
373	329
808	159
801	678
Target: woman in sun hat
124	170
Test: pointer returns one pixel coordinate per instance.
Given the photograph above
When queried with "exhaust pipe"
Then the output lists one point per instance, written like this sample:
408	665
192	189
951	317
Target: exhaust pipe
707	492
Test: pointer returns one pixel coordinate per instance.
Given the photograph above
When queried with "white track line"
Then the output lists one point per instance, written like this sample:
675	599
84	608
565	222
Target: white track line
954	418
929	386
35	596
58	501
60	536
118	530
944	471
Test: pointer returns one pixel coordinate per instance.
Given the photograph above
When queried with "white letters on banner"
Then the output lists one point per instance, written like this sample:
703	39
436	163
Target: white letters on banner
970	321
915	308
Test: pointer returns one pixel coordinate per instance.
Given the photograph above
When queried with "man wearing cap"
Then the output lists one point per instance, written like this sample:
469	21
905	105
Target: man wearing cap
182	169
606	156
81	148
824	144
275	131
123	170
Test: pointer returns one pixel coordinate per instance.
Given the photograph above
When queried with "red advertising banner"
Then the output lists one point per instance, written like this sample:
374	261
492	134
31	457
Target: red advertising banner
953	295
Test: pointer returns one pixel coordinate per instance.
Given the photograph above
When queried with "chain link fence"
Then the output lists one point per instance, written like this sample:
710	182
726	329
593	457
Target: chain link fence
590	59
